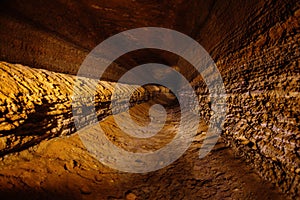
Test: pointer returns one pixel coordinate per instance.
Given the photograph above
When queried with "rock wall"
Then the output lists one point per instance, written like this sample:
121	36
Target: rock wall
36	104
262	79
58	35
262	82
254	43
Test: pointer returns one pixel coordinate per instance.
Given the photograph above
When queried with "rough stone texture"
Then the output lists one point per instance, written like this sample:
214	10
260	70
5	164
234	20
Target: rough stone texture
262	78
255	45
58	35
36	104
62	168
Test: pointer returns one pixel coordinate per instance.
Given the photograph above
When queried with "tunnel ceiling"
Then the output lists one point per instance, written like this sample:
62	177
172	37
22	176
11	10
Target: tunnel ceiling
57	35
67	30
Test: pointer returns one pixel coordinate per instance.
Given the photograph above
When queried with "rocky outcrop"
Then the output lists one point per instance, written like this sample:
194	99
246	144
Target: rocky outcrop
36	105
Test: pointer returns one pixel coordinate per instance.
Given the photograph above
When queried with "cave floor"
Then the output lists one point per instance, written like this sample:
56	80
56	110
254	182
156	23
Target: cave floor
62	168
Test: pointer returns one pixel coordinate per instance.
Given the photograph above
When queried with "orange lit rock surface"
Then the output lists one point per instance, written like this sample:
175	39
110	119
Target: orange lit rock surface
36	104
254	43
62	168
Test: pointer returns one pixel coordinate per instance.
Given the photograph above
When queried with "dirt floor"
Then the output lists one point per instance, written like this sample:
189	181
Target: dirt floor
62	168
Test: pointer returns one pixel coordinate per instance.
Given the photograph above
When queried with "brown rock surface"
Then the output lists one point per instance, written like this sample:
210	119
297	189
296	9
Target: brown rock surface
255	45
36	104
62	168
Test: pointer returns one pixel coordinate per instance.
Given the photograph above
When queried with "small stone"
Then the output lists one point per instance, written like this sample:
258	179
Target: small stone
245	142
3	143
85	190
297	13
131	196
98	177
14	107
5	126
70	165
297	171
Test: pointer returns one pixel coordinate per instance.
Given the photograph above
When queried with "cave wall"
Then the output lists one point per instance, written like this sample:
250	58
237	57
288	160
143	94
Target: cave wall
255	45
259	63
36	104
57	35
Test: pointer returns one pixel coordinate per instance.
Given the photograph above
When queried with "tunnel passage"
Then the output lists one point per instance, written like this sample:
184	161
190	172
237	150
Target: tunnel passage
255	45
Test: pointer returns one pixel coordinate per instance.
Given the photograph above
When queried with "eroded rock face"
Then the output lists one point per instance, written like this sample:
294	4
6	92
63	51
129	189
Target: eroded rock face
259	63
255	45
37	104
58	35
62	168
262	82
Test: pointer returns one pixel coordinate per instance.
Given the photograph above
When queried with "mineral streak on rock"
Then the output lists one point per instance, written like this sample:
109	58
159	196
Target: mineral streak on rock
36	104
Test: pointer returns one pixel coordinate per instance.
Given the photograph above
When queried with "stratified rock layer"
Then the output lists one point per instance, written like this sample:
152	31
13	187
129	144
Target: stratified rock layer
254	43
263	98
36	104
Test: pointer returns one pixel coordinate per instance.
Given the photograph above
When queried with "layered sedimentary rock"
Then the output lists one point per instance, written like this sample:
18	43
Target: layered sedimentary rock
261	77
255	45
262	81
262	86
37	104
